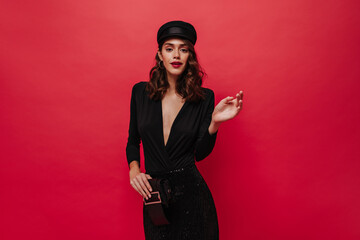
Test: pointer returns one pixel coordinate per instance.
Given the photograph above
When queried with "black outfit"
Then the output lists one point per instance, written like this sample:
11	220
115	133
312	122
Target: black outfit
192	212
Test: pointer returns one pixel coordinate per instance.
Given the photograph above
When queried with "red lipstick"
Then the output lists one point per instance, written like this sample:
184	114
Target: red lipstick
176	64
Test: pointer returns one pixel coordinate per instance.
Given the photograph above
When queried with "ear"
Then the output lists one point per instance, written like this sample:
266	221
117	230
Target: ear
160	55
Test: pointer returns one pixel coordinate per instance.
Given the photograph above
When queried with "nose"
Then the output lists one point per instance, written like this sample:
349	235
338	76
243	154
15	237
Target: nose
176	54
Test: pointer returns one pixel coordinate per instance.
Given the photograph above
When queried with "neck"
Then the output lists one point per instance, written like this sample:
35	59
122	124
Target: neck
172	82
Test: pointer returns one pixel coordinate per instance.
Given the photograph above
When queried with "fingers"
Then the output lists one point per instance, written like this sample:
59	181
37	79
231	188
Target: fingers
240	104
147	184
237	100
239	97
139	189
136	186
141	184
227	99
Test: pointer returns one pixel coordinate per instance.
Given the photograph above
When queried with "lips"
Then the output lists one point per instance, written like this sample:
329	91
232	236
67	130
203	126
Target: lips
176	64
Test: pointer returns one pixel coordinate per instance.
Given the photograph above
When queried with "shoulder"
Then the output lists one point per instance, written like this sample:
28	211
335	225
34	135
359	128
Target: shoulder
209	94
139	86
208	91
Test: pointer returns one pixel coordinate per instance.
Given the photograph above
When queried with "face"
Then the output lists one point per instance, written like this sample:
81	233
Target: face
174	54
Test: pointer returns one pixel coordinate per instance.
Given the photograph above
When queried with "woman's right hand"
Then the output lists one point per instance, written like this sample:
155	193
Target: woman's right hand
139	181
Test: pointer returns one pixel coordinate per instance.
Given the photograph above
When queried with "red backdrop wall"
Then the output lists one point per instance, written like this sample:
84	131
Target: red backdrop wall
286	168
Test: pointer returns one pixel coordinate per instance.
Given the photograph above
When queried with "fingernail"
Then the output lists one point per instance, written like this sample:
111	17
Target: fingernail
149	195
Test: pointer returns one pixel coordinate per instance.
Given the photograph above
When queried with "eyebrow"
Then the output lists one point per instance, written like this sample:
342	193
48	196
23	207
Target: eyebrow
181	45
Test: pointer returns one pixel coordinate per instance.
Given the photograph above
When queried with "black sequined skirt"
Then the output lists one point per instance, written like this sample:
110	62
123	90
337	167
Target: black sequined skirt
192	212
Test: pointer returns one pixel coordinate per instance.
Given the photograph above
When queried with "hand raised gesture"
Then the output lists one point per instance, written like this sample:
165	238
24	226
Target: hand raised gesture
228	108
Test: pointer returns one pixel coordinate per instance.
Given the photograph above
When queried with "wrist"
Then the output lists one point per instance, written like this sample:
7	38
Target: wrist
134	166
214	126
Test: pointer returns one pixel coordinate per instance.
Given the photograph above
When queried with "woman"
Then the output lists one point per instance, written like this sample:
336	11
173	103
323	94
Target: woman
175	119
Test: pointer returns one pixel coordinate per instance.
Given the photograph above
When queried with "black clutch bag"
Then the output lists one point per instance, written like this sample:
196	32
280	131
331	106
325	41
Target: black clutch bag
157	206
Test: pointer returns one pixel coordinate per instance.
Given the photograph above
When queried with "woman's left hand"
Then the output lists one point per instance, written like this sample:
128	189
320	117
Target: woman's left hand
228	108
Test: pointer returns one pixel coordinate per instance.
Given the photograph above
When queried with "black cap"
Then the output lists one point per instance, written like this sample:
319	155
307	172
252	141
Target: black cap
177	29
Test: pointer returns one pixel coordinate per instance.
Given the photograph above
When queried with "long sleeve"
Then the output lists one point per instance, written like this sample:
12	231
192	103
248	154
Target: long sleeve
133	144
206	142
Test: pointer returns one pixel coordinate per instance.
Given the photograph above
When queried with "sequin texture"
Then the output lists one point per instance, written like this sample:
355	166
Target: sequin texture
192	212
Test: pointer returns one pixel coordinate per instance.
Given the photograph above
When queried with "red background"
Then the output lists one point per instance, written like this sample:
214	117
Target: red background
286	168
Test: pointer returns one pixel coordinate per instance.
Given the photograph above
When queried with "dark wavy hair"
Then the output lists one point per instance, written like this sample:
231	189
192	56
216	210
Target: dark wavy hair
189	83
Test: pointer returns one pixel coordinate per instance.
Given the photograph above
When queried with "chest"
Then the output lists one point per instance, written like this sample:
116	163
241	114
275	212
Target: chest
170	107
168	124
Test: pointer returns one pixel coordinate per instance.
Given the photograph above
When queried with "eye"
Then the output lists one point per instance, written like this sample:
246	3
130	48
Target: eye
168	49
184	50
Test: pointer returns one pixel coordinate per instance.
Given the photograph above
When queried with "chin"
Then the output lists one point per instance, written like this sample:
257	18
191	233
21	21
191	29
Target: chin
176	73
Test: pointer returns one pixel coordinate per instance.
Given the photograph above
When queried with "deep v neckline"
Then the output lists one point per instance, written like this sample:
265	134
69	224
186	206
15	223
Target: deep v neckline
172	125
